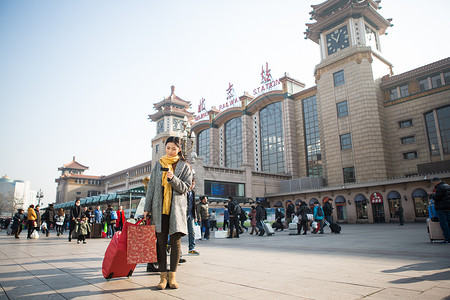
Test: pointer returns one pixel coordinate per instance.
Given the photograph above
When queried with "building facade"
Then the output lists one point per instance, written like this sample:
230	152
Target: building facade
366	138
15	194
362	136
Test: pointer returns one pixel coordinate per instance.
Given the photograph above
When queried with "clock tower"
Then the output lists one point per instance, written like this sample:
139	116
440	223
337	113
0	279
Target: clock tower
349	98
169	117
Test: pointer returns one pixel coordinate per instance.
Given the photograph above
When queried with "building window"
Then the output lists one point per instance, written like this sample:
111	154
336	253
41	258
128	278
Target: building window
405	123
404	91
423	84
393	94
342	109
447	77
312	137
346	141
408	140
443	115
341	207
410	155
361	207
203	145
349	174
272	144
420	199
157	149
233	143
444	127
436	81
339	78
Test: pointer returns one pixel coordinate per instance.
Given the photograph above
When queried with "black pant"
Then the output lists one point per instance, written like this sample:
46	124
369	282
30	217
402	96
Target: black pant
234	223
213	224
175	246
17	231
205	223
81	237
225	224
30	228
303	224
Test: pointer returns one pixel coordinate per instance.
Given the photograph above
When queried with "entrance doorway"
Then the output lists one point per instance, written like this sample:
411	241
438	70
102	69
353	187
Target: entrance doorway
378	213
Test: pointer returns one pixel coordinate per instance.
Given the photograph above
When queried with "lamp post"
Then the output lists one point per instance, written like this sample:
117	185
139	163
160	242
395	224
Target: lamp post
39	196
187	135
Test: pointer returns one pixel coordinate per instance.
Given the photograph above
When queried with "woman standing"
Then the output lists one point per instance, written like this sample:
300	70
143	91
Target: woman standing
166	203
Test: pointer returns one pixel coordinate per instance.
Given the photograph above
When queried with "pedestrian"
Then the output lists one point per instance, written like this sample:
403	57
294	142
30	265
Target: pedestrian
290	209
302	214
83	229
191	218
203	216
235	210
31	220
170	180
213	220
252	216
17	223
318	217
98	215
75	214
60	217
328	211
261	215
226	217
38	217
110	219
242	218
441	197
278	216
50	216
399	214
120	218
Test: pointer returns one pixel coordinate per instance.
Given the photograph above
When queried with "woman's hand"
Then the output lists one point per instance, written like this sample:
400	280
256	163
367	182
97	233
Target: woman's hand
169	175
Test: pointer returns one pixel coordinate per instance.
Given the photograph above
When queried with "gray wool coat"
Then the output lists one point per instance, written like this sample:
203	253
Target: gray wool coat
180	183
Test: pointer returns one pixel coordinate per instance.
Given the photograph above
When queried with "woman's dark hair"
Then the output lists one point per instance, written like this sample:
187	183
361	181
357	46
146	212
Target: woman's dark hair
177	141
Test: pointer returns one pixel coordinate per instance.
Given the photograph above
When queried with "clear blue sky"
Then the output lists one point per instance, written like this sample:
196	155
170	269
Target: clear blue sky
80	77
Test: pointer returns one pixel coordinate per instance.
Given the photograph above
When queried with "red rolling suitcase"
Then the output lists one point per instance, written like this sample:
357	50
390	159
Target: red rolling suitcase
115	261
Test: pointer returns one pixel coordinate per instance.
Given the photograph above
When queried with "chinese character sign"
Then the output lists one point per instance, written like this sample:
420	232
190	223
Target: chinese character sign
267	82
232	99
202	113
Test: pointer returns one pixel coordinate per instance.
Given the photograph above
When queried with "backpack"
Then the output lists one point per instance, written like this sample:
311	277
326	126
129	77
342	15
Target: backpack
114	215
243	216
319	211
328	208
237	210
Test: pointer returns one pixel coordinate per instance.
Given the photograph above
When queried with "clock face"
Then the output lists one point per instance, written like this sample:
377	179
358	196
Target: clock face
371	38
337	40
177	124
160	126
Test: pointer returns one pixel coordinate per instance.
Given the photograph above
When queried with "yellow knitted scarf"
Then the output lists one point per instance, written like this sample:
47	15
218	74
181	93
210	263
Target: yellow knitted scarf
167	162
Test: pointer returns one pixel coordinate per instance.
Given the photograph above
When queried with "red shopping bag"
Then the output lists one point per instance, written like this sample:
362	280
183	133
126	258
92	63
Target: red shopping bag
141	244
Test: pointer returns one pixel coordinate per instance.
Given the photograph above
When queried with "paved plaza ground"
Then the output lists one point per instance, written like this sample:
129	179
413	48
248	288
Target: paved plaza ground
373	261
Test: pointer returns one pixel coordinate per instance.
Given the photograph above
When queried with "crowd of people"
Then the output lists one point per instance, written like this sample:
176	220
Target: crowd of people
79	221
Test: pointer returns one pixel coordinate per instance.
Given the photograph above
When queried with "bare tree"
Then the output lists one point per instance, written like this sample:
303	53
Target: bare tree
7	204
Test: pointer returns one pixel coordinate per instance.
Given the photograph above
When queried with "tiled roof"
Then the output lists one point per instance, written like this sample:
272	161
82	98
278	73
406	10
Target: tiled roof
424	70
80	176
74	165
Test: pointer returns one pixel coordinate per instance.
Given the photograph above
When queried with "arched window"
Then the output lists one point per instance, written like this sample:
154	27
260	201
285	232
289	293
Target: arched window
203	145
233	143
394	199
312	201
420	198
361	207
341	207
272	144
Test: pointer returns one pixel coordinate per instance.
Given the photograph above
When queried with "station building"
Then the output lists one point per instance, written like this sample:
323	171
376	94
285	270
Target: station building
366	138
